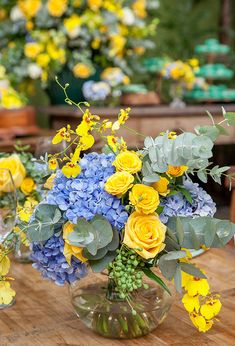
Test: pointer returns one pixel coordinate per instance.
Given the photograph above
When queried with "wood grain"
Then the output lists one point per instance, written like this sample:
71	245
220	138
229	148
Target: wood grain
43	315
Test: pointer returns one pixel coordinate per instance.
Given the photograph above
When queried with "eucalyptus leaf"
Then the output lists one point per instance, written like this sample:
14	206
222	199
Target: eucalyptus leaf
178	279
173	255
168	268
189	268
99	265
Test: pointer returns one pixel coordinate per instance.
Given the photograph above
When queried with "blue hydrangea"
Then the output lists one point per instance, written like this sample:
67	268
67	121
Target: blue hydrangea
50	261
177	205
85	196
96	91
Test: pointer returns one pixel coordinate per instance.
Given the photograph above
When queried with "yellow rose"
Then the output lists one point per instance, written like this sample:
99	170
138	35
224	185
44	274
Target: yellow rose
81	70
119	183
17	170
70	250
161	186
145	234
128	161
32	49
57	7
27	186
176	171
144	198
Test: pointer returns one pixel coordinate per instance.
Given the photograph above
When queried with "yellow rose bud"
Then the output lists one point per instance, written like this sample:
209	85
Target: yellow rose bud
144	198
176	171
128	161
70	250
27	186
145	234
119	183
15	166
161	186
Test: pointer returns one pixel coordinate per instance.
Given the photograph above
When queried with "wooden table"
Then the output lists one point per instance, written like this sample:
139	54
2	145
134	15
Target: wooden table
149	121
43	316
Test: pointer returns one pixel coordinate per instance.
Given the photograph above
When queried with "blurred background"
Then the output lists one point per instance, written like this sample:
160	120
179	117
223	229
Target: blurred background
171	62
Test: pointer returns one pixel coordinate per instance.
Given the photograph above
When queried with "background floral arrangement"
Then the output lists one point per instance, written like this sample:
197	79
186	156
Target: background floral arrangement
103	209
27	176
39	38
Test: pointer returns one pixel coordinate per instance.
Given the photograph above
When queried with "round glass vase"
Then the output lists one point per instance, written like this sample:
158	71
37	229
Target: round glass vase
177	94
23	254
99	307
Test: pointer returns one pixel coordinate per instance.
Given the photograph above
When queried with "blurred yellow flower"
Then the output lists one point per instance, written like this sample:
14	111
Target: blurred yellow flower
210	308
94	4
10	99
27	186
95	44
139	8
128	161
81	70
70	250
176	171
139	50
161	186
43	59
25	212
56	8
4	264
72	25
32	49
29	7
50	182
144	198
6	293
145	234
119	183
18	172
52	164
71	170
117	45
200	322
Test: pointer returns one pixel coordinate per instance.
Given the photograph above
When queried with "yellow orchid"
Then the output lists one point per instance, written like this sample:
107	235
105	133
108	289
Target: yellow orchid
7	294
210	308
191	303
71	170
86	142
200	322
63	134
196	286
4	264
52	164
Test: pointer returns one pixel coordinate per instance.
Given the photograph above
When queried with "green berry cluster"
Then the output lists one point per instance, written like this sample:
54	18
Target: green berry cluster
126	271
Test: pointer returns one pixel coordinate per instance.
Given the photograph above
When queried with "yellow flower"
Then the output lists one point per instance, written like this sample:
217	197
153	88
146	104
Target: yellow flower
70	250
27	186
50	182
196	286
176	171
72	25
43	60
128	161
117	45
161	186
4	264
191	303
94	4
29	25
25	212
29	8
62	135
18	172
6	293
32	49
112	143
122	118
56	53
139	8
81	70
86	142
119	183
71	170
200	322
139	50
10	99
23	236
52	164
144	198
210	308
56	8
145	234
95	44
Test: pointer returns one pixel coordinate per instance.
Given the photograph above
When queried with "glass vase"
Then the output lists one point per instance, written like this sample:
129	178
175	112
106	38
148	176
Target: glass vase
177	93
23	254
99	307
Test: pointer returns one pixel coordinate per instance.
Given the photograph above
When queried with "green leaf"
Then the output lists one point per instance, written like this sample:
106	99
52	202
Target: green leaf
47	213
37	232
113	245
99	265
208	130
202	176
103	229
173	255
155	278
186	194
168	268
151	178
160	209
209	235
99	254
189	268
179	231
193	236
222	130
178	279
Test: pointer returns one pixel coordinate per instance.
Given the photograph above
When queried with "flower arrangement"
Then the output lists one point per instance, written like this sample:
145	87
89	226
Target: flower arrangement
40	37
27	176
127	213
9	97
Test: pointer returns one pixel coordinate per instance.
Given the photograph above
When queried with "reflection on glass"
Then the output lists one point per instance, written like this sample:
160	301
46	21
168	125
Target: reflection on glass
7	203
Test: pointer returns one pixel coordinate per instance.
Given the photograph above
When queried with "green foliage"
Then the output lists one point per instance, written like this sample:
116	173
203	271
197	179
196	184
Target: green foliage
98	240
155	278
47	221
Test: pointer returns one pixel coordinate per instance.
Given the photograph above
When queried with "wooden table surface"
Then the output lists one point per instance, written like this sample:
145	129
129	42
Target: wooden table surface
43	315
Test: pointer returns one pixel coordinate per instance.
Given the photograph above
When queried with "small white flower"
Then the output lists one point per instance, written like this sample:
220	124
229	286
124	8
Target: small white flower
128	16
74	33
16	14
34	71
